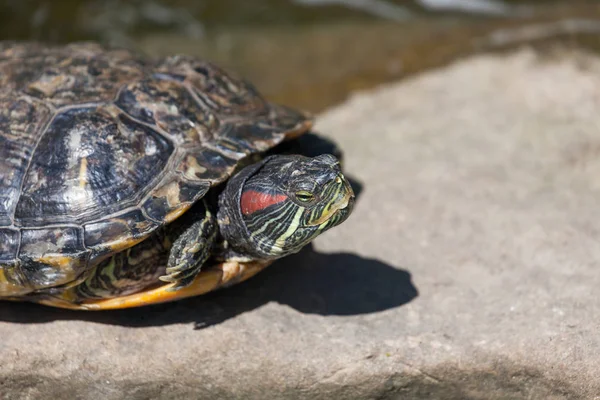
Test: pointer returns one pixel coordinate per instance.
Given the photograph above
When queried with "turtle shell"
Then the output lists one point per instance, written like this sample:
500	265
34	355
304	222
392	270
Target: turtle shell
99	148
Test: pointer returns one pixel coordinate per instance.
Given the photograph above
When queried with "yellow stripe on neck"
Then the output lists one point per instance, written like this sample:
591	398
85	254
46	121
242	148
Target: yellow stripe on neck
280	242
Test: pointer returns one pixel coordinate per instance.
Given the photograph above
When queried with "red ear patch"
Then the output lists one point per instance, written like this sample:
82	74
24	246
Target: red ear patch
253	201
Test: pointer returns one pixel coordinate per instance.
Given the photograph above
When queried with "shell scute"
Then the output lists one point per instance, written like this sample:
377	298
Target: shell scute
205	164
9	244
51	240
52	256
217	89
174	197
90	163
12	282
118	232
251	137
170	106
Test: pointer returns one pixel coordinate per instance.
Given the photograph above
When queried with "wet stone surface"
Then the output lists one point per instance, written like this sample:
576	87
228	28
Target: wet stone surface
468	270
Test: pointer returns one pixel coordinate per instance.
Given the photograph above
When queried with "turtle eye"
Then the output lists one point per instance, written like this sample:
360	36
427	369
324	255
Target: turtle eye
304	196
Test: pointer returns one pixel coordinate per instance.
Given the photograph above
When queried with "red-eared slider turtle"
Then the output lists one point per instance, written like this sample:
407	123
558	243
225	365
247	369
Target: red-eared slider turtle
126	181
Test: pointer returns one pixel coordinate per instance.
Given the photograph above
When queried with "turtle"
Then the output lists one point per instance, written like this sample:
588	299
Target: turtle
127	180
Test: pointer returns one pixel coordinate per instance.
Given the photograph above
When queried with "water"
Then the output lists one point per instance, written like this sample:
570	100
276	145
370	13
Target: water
309	53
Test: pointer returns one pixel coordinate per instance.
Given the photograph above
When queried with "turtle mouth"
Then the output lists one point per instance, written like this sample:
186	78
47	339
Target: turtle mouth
341	206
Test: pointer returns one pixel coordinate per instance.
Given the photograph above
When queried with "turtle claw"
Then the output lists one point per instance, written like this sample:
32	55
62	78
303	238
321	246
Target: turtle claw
180	275
172	272
167	278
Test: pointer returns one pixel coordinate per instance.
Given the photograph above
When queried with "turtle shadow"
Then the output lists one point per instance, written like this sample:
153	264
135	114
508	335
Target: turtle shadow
340	284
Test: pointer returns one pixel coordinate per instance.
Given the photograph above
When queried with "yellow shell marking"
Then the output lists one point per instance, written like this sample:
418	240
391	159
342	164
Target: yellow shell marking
122	244
7	288
173	215
193	169
170	192
56	260
83	173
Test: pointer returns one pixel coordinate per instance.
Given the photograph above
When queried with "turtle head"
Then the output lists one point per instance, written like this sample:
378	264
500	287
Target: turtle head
279	205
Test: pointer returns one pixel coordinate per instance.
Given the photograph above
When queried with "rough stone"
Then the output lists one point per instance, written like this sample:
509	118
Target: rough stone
468	270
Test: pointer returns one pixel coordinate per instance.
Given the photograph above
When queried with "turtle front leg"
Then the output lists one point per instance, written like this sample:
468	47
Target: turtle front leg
190	251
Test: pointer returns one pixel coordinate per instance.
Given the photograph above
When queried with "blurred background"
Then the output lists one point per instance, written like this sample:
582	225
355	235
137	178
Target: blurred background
310	53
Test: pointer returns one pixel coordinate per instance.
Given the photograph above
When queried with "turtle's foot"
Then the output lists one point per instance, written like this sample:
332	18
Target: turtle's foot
190	251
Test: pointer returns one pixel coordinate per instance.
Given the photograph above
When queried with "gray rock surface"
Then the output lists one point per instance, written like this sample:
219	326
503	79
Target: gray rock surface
469	269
